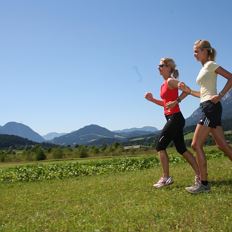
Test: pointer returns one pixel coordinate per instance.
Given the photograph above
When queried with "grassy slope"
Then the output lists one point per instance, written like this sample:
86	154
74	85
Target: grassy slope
120	202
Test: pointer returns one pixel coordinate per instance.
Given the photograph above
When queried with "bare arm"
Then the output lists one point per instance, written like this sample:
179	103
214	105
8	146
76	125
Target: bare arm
228	75
150	97
188	90
221	71
173	83
194	93
172	104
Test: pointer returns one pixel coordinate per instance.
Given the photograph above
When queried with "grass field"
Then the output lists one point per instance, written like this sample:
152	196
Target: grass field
120	202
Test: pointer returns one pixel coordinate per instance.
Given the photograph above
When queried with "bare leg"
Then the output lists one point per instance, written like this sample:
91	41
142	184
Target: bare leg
192	161
164	162
200	135
218	135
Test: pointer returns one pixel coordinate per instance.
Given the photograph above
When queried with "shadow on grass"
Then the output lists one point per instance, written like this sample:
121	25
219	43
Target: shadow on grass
221	182
214	183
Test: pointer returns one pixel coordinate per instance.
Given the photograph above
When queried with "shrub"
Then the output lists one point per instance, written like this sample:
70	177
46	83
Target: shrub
58	153
2	157
83	152
40	155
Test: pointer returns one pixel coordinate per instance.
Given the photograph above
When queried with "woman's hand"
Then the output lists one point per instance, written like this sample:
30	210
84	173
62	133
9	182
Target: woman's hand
182	86
171	104
148	96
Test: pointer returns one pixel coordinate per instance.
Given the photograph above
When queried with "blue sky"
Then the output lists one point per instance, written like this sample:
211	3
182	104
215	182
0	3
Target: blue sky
65	64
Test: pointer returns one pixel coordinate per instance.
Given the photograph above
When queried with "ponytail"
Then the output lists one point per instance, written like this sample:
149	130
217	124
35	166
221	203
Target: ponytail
211	53
175	73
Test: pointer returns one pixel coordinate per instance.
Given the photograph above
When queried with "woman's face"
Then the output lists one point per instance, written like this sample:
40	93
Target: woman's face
163	69
200	54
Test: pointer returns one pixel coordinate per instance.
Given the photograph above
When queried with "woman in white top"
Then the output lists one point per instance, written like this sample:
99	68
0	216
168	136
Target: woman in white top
210	121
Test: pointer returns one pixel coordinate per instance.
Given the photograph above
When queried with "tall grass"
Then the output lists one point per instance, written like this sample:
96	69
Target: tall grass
120	202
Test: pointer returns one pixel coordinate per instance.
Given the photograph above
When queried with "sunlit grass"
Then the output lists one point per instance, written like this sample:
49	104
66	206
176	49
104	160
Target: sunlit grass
120	202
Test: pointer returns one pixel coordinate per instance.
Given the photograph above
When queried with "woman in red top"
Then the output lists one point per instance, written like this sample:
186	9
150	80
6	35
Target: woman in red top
173	129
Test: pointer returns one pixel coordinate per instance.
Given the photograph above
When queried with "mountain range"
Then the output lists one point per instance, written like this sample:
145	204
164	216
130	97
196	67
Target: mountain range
86	135
133	132
91	134
97	135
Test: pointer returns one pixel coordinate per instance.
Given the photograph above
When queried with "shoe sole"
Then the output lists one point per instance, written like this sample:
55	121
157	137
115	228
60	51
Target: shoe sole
203	191
163	185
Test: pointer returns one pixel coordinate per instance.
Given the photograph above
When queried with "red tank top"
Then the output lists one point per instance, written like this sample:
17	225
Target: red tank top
168	95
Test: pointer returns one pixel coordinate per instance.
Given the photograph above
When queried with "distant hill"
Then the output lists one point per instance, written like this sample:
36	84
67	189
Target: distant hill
53	135
21	130
227	106
14	141
142	129
133	132
226	114
86	135
97	135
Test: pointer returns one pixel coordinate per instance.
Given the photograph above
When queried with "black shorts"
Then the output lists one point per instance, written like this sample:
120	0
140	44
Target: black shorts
211	114
173	131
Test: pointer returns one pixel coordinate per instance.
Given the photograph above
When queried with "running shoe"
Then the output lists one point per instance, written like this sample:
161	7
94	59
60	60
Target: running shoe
163	181
199	188
197	181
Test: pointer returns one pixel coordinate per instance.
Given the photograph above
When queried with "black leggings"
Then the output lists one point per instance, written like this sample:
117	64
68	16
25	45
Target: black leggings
173	131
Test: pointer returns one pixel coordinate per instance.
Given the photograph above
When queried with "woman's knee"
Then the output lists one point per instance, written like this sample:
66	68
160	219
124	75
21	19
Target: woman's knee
196	146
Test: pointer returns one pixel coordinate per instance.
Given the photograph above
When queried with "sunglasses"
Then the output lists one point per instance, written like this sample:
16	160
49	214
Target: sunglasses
162	65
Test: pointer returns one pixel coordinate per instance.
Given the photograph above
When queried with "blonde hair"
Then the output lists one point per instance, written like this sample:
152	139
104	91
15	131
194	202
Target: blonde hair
171	63
204	44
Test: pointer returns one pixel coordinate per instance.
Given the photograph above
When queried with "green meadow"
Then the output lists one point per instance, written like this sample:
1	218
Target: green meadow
120	201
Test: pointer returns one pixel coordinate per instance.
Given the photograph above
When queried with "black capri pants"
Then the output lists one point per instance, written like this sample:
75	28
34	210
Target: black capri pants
173	131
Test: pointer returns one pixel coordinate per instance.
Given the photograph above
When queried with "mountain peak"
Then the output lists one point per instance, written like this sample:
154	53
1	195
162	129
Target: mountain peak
93	128
85	135
19	129
15	124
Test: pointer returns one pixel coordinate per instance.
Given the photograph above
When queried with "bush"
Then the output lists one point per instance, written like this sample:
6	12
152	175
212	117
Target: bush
83	152
40	155
58	153
63	170
2	157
